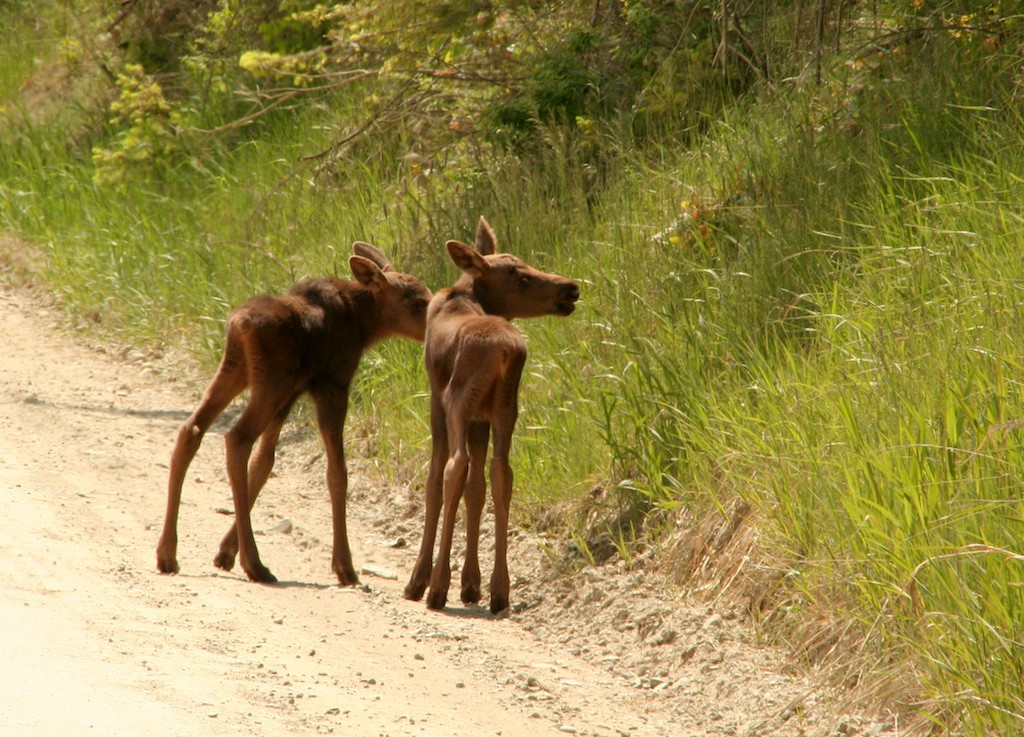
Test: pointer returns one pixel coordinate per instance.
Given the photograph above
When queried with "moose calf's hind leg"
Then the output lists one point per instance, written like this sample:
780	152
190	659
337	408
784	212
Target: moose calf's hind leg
185	448
190	437
423	569
454	483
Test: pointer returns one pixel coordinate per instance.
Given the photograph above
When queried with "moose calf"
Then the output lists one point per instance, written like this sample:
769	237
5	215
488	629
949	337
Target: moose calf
307	340
475	358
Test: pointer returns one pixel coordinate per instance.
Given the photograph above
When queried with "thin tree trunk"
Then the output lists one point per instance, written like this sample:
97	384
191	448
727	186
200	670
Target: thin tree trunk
819	40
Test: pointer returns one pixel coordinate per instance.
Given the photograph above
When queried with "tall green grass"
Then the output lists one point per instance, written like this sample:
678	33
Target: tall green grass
815	310
843	352
831	332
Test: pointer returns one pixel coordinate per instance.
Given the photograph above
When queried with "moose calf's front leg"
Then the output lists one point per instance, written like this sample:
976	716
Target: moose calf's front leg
501	488
332	406
475	493
471	566
341	558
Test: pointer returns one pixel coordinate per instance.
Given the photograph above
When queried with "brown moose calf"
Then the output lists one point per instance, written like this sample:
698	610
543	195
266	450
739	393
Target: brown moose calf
307	340
475	358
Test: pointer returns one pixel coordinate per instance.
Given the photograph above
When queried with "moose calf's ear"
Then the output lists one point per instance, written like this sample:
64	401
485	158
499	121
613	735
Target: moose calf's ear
466	258
366	271
486	240
365	250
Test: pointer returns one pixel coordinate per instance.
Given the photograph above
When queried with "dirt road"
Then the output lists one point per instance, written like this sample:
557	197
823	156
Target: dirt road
94	641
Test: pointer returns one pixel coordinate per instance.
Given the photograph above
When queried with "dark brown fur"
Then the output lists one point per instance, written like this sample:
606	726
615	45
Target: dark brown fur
475	358
307	340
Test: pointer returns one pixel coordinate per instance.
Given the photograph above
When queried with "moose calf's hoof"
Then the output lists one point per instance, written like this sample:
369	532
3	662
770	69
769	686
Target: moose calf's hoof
437	600
471	595
345	582
224	560
414	591
498	604
347	578
166	565
261	574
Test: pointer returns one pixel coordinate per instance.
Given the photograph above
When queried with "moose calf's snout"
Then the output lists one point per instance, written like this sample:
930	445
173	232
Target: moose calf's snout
568	296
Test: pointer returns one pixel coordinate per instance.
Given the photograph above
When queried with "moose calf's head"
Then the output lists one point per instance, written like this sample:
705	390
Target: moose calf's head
506	285
403	299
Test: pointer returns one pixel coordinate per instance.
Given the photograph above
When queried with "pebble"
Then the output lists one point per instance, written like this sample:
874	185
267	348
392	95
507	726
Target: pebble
715	620
667	637
379	572
284	527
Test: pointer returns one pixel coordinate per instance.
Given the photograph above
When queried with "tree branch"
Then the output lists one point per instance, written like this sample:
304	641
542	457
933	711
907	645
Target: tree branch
362	127
286	97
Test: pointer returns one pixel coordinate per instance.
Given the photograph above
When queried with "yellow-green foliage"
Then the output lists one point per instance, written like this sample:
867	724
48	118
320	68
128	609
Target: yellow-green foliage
149	131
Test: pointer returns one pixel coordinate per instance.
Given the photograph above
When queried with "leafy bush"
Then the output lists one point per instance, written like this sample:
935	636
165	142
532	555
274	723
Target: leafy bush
150	131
